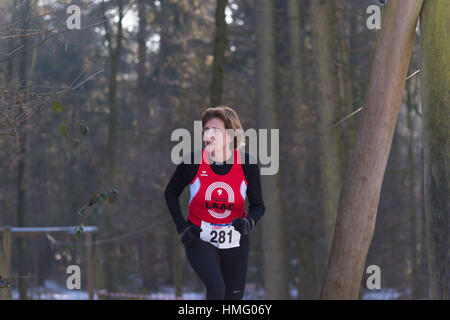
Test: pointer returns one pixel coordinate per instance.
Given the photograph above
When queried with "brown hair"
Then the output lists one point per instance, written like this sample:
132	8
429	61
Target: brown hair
230	120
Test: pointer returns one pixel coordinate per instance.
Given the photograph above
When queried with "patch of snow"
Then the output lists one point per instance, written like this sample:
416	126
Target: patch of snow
53	291
382	294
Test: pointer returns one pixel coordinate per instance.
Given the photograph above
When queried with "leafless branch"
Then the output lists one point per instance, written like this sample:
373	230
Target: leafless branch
13	126
31	108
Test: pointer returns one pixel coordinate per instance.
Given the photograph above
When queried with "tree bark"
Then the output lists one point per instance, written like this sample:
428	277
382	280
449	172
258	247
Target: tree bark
177	265
11	43
21	169
360	194
296	56
435	66
220	44
146	263
274	261
142	111
345	87
412	193
114	58
331	144
307	284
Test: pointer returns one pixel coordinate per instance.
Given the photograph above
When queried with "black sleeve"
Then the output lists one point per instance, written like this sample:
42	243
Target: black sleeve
182	176
254	192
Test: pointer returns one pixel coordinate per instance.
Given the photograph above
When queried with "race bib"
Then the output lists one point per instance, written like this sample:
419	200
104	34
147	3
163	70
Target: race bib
223	236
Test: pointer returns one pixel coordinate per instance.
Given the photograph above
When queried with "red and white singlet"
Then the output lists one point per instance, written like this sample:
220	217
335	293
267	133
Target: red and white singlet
217	198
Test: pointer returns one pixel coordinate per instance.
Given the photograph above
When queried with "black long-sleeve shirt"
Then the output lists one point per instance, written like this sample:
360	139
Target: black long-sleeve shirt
185	173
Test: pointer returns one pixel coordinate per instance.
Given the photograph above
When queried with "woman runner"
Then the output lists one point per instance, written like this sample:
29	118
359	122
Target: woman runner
216	234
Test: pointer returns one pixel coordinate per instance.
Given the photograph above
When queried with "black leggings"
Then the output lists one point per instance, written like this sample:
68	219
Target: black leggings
223	271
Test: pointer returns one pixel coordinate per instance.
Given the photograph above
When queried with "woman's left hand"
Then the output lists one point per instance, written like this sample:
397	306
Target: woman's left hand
242	225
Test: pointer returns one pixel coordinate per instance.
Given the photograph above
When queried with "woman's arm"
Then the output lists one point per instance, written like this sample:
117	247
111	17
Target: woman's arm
254	192
182	176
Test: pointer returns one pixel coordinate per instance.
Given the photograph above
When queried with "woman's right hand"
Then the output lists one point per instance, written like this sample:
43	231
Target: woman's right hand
190	235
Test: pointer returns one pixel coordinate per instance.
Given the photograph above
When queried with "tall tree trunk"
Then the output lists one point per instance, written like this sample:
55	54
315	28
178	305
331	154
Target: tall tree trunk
142	111
435	61
360	194
114	58
413	197
423	264
175	23
177	266
220	44
147	268
146	252
21	178
11	43
273	247
300	111
332	167
345	87
297	76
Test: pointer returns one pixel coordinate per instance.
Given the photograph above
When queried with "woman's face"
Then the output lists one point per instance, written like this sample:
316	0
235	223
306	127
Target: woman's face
215	136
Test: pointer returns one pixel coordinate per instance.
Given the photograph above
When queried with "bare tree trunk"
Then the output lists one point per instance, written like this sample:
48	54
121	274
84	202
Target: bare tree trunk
296	56
177	266
220	44
360	194
274	256
435	61
11	43
114	58
142	112
331	144
146	263
345	88
300	111
21	178
423	264
413	197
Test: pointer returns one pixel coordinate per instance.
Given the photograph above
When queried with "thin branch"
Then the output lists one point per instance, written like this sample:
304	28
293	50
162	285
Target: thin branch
29	18
356	111
13	126
340	121
71	87
410	76
8	54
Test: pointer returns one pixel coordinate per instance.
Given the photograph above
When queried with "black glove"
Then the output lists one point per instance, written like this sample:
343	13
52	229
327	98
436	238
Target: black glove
243	225
190	235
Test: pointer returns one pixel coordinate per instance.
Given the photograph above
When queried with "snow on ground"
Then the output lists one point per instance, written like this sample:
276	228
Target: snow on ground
53	291
382	294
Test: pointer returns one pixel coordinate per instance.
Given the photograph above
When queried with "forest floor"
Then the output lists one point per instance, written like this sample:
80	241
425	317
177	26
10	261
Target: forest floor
53	291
